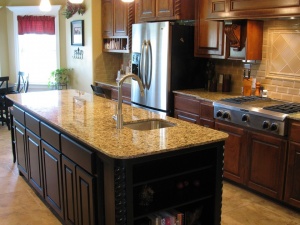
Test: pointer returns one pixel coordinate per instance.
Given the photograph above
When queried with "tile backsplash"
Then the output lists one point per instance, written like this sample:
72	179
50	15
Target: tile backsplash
279	69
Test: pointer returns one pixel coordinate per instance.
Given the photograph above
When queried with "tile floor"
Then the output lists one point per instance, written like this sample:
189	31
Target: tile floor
19	205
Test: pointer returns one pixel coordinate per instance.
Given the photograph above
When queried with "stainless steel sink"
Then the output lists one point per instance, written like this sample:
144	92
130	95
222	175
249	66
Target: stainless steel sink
149	124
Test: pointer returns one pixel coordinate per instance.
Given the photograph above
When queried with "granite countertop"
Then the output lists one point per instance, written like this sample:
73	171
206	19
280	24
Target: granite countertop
89	118
206	95
111	83
215	96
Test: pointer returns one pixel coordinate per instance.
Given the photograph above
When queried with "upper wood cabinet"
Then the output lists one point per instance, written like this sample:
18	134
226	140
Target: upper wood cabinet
157	10
244	9
236	39
210	41
117	18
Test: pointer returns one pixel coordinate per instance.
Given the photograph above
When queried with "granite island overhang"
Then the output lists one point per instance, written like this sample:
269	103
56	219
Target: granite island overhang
83	128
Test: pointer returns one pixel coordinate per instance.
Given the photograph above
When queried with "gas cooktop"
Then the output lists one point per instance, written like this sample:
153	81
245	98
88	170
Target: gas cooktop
264	103
256	112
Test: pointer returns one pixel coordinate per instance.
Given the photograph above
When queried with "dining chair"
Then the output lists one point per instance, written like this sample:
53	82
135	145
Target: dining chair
23	83
4	118
98	91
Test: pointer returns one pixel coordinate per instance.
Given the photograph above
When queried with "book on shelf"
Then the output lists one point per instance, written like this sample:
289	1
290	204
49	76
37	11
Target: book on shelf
168	218
155	219
179	216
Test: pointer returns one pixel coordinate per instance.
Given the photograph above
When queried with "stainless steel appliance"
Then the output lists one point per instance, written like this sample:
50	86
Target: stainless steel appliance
162	56
263	114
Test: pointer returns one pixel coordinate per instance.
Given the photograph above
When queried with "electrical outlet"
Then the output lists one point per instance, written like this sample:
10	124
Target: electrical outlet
247	71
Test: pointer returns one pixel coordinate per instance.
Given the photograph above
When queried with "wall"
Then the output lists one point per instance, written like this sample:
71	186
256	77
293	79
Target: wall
284	87
4	69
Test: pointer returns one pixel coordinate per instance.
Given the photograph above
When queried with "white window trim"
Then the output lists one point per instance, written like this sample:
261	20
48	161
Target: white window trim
34	10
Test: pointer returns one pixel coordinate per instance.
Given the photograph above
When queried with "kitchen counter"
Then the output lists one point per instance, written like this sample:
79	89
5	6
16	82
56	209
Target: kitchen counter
215	96
206	95
88	118
111	83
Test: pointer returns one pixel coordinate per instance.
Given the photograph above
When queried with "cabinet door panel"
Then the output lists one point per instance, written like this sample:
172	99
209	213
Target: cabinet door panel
69	185
164	8
234	152
292	188
107	18
85	197
267	158
146	10
35	162
121	17
20	140
52	178
209	35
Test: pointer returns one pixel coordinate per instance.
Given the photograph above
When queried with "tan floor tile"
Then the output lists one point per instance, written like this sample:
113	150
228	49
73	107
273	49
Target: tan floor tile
19	205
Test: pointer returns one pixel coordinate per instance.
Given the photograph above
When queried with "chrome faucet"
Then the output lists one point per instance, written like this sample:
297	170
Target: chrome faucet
119	116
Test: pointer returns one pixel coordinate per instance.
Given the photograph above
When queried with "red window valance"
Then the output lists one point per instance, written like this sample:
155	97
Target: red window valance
36	25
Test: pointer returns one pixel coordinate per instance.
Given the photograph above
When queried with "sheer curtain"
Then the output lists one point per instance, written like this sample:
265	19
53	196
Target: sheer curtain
36	25
35	57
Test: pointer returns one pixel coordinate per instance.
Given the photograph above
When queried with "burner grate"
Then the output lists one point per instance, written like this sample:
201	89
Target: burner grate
243	99
285	108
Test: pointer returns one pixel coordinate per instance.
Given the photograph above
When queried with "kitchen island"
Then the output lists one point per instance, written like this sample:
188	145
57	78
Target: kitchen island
89	172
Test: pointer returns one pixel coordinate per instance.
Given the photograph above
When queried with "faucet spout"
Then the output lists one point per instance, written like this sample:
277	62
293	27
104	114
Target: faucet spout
119	116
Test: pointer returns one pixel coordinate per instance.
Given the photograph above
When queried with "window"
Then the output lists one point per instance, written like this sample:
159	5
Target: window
37	56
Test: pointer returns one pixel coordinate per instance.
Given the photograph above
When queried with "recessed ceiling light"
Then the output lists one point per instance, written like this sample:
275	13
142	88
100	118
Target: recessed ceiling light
45	5
76	1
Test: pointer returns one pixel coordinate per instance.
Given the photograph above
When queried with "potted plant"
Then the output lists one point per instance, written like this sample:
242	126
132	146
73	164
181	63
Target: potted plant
59	77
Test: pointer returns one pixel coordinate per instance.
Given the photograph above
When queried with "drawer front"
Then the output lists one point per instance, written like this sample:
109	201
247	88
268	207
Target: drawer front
33	124
50	135
207	110
19	114
187	104
78	153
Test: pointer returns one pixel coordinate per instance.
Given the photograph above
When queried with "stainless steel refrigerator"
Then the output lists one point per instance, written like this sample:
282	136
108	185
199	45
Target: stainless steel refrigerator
162	56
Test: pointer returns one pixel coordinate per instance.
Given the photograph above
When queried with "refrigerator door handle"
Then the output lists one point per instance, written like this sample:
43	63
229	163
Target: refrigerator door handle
143	63
149	65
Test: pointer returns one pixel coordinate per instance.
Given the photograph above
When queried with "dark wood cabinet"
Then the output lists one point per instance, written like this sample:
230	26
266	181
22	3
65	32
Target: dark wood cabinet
126	93
70	195
210	41
238	39
207	114
117	18
52	178
266	164
20	146
187	108
193	110
114	18
157	10
79	194
107	18
200	169
292	186
245	9
86	197
235	152
292	183
35	161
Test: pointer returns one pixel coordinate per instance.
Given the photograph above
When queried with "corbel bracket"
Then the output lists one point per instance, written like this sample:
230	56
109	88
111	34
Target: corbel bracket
233	33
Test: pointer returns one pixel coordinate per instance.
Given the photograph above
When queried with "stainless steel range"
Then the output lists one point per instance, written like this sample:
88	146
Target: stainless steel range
254	112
